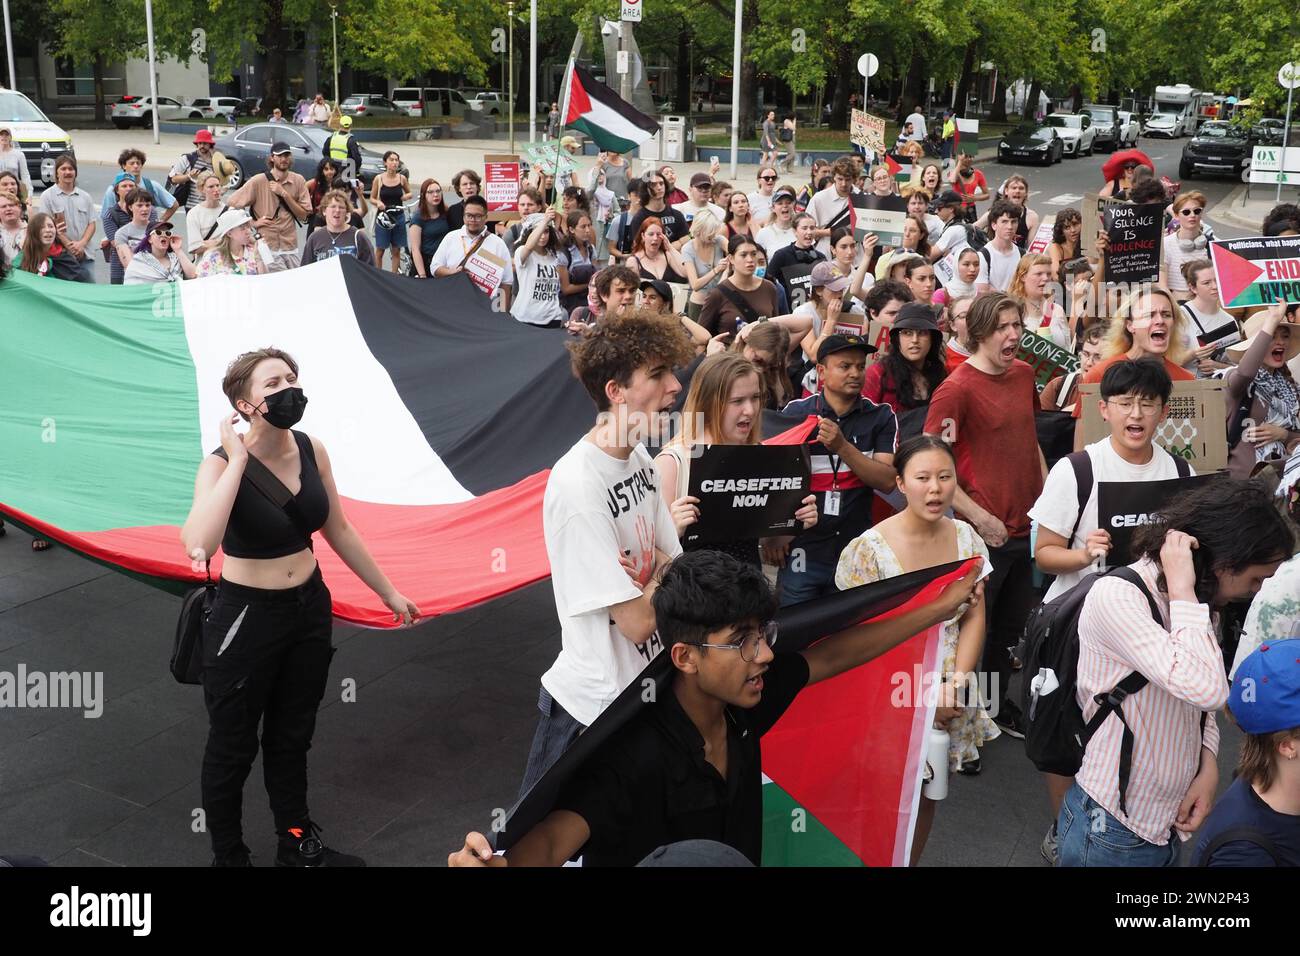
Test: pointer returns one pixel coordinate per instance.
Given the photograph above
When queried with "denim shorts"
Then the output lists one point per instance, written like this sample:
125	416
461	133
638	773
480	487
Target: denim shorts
395	237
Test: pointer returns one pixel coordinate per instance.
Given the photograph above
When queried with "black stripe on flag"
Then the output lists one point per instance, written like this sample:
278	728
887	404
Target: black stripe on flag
495	398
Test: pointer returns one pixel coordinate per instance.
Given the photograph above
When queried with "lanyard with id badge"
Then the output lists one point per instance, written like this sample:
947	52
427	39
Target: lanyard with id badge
832	505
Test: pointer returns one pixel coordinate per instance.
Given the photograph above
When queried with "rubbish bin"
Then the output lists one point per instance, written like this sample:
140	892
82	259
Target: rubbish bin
650	149
678	135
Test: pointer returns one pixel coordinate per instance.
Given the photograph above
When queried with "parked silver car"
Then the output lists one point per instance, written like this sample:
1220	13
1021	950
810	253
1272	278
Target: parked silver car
249	147
370	104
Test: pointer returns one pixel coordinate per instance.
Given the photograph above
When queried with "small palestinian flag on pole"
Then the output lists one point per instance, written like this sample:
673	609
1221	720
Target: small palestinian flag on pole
602	114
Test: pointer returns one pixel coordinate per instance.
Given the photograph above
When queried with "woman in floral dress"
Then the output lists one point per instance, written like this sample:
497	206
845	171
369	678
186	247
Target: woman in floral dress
922	536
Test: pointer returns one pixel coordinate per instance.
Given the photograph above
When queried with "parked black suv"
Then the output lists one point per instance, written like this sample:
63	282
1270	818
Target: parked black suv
1218	148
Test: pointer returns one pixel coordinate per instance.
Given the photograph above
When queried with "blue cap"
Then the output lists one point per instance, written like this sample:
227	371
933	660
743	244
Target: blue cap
1265	694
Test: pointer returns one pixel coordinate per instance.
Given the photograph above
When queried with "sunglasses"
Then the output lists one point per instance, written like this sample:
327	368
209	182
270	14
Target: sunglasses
768	179
163	231
1132	165
1191	212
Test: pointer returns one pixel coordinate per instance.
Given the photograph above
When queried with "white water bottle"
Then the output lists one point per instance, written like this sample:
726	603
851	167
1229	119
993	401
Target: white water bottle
936	755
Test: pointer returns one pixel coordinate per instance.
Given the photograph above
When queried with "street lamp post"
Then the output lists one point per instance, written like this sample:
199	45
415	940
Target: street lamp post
510	111
334	29
9	48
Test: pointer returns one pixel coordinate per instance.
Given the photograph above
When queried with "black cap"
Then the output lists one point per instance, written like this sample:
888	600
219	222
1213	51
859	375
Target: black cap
661	289
916	315
949	197
280	148
842	343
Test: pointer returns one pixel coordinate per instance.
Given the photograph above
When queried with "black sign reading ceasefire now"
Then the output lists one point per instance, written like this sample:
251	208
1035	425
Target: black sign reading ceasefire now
747	491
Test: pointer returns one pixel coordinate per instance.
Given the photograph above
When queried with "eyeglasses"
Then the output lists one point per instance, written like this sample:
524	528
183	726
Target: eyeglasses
748	644
1191	212
768	179
1125	405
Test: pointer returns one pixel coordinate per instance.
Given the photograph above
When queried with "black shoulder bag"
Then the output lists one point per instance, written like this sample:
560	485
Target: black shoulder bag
187	646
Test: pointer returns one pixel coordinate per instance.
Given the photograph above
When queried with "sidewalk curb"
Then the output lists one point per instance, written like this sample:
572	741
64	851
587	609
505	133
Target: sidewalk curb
1225	211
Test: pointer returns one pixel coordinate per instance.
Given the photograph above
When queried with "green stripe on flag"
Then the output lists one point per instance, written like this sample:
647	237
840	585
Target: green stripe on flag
794	837
99	424
603	137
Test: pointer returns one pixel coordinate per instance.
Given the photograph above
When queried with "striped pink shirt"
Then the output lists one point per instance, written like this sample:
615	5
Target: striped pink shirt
1185	668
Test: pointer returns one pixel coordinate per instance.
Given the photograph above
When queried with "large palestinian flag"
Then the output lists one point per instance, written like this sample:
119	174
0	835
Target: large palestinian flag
440	417
610	121
842	767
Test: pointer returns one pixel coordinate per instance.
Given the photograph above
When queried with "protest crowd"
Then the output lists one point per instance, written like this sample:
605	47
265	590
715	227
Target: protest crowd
971	387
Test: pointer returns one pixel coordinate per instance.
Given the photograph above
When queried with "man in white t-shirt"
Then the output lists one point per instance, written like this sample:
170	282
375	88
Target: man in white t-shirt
830	207
1134	401
701	190
608	531
917	122
779	231
459	245
998	259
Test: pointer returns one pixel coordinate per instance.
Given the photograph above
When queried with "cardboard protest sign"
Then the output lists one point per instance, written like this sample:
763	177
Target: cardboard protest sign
1125	506
1045	357
867	131
1258	271
1133	231
546	156
485	270
1092	210
747	491
1042	238
883	215
1195	428
797	280
501	186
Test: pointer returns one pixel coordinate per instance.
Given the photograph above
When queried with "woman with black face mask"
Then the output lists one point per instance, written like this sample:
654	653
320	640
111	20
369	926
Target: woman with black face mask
266	642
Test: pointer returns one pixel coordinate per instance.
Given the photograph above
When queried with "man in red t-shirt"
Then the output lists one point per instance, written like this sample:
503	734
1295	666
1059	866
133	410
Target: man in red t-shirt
985	410
1153	328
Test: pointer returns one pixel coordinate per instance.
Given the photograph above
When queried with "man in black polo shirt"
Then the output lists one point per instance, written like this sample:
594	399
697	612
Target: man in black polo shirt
852	456
688	765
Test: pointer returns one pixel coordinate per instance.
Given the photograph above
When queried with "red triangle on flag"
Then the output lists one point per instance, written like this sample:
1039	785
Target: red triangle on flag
894	168
579	101
1235	273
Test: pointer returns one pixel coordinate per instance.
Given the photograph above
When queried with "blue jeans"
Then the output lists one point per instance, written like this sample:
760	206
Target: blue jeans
1089	836
816	578
556	731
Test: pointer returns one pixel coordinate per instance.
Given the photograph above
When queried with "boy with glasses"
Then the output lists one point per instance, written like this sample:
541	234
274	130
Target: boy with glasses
459	244
1069	543
687	766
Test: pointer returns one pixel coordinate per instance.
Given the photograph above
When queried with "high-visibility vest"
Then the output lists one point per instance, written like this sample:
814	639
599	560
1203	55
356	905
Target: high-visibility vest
338	145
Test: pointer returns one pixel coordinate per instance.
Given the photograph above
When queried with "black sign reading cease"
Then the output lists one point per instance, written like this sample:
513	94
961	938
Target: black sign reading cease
747	491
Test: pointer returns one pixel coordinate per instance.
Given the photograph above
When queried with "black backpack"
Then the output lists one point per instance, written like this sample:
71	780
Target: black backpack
977	239
1055	733
1237	424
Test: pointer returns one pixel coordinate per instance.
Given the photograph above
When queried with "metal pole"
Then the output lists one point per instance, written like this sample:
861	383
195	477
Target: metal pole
511	79
9	48
153	77
625	79
334	26
1286	130
735	90
532	73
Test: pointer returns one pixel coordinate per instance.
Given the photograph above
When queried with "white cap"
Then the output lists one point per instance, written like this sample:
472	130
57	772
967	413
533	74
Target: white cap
231	219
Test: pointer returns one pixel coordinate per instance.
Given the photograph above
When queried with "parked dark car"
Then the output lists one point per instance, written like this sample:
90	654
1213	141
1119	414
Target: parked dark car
251	145
1031	142
1268	132
1219	148
1105	120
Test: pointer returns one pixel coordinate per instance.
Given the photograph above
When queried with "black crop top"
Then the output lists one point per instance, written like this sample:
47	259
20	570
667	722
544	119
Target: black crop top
258	529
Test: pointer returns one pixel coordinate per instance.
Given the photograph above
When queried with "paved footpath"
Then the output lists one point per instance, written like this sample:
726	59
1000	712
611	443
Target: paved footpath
436	739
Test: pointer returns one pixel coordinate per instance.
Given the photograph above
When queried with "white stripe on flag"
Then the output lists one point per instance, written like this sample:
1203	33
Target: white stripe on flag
614	122
377	451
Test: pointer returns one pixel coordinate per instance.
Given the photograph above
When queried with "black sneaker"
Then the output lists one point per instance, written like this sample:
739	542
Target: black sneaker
299	846
1010	722
240	856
